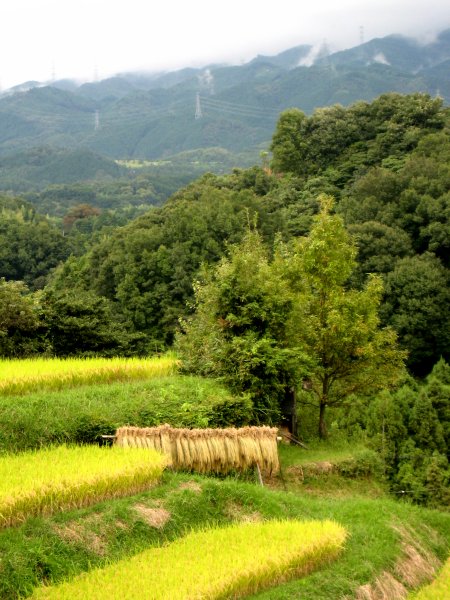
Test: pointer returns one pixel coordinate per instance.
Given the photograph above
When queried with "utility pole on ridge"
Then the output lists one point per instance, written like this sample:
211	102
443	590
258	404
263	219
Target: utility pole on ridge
198	107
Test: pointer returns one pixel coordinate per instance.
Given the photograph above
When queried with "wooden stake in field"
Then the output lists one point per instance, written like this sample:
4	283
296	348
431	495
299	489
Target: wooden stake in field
208	450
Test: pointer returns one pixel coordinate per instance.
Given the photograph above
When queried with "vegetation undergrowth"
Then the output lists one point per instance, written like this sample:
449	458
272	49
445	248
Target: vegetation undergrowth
51	549
61	477
236	560
28	375
83	414
335	470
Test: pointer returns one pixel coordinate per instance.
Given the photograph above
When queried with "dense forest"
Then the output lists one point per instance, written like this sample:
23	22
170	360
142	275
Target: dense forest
221	270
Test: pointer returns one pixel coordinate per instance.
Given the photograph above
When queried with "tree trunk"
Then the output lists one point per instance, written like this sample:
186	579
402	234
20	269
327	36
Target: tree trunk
289	410
323	433
323	401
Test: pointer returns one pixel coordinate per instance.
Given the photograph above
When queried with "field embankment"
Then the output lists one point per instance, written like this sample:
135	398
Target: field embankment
82	414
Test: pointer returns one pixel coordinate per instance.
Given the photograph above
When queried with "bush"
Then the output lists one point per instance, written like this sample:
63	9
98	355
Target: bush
231	412
364	463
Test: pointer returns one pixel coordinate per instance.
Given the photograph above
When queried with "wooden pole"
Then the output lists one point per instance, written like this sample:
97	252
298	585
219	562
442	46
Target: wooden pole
258	470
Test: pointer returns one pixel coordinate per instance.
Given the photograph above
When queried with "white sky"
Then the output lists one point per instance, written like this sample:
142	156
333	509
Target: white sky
84	38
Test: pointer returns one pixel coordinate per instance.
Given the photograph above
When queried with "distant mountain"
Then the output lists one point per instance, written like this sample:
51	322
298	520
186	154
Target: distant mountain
289	59
152	116
42	166
399	52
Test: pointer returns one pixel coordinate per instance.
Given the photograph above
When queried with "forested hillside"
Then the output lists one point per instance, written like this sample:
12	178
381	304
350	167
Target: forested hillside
222	270
386	163
139	116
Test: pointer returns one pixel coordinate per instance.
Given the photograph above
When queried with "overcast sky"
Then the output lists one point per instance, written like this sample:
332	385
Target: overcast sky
96	38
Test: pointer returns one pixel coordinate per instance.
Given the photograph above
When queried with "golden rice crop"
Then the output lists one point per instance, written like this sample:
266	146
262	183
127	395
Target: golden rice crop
56	478
229	562
28	375
439	589
203	450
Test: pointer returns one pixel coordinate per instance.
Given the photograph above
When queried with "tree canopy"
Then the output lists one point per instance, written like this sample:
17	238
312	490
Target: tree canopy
265	325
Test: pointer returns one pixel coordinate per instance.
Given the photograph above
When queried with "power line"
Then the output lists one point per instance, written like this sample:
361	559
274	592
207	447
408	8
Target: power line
237	106
198	107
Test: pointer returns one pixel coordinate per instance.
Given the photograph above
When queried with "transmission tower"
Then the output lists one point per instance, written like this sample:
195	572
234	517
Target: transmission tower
97	120
198	107
361	34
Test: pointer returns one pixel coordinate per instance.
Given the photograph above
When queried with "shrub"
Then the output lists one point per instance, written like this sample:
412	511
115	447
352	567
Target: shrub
364	463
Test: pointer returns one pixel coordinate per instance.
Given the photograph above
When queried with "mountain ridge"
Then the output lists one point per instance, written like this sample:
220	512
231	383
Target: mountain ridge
152	116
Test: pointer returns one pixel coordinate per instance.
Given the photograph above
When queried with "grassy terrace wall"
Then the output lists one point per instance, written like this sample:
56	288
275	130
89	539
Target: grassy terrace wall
217	563
56	548
53	479
82	414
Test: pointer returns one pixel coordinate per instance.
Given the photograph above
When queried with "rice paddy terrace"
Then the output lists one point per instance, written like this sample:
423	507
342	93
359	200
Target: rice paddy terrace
100	522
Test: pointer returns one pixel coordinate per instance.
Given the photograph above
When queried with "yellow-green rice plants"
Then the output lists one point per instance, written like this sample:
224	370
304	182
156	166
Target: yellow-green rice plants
222	563
62	477
204	450
28	375
439	589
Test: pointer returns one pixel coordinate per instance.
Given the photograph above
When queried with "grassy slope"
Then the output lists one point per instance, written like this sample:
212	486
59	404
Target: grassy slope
79	414
49	549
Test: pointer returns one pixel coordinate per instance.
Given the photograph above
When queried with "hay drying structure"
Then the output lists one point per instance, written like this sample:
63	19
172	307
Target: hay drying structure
208	450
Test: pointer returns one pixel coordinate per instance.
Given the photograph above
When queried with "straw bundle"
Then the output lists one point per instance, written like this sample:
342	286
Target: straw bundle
155	438
205	450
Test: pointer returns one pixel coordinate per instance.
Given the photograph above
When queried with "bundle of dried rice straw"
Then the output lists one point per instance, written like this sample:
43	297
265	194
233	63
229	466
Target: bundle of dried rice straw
205	450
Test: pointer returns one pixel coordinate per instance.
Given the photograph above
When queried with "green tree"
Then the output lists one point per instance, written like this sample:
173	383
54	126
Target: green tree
337	327
288	146
30	246
239	330
417	301
81	323
19	321
264	325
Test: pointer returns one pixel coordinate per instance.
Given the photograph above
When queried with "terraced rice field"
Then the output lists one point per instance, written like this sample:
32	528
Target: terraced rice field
228	562
53	479
25	376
